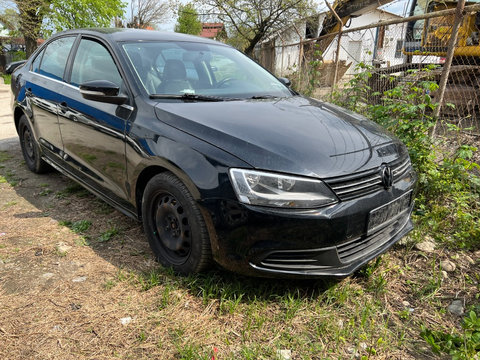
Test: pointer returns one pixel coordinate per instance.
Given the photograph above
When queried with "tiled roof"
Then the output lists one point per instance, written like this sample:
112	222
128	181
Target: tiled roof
211	30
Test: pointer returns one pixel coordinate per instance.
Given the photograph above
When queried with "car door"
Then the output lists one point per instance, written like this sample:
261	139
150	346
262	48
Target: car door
93	132
44	84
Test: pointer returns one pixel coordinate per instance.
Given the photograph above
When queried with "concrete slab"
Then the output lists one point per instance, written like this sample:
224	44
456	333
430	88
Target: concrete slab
8	133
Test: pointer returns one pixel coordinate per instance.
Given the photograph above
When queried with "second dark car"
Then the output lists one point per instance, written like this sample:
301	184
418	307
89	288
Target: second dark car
220	159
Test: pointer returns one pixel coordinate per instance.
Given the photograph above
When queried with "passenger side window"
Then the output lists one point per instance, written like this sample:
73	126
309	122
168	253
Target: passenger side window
94	62
55	57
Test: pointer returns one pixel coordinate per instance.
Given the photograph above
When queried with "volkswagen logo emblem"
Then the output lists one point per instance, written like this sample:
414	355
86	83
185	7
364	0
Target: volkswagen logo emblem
386	175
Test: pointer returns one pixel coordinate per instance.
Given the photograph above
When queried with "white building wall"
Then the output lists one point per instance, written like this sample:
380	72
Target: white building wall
287	57
356	47
359	46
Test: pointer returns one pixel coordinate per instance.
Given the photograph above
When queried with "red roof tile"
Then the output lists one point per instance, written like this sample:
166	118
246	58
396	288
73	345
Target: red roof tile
211	30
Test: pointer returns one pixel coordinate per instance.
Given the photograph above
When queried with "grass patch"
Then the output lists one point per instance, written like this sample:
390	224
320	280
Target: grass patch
7	79
9	177
108	235
461	346
45	192
9	204
77	227
103	208
4	156
73	189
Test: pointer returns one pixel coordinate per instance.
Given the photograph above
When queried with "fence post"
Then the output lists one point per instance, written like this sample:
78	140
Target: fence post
337	54
448	61
300	55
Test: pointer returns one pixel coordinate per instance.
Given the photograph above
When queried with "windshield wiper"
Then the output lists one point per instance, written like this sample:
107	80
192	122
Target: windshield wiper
187	97
263	97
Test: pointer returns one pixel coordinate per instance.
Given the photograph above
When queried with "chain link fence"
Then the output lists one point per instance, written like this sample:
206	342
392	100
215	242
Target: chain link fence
387	51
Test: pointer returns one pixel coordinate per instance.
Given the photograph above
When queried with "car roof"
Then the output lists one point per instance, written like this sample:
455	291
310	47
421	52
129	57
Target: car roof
121	34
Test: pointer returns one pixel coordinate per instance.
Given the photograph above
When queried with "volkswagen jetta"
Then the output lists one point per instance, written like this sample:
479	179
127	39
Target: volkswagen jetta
218	158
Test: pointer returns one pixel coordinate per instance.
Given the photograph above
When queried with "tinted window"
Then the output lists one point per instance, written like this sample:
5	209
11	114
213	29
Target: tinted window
55	57
36	62
93	62
166	67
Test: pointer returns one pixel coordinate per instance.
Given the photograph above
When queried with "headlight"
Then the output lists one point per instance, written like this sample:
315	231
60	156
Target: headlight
269	189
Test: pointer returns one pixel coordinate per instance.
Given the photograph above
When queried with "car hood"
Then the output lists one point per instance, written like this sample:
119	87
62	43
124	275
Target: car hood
293	135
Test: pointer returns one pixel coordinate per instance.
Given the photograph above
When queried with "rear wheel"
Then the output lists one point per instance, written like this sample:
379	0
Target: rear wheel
30	148
175	226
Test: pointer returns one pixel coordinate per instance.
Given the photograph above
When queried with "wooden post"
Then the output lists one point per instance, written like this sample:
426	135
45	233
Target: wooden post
448	59
300	55
337	54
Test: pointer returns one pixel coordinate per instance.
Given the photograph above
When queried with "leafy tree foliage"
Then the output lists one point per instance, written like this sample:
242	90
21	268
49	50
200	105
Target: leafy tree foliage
188	22
37	16
31	14
254	20
11	20
73	14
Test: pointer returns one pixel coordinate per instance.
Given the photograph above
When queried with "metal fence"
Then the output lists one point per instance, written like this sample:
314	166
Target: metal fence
389	52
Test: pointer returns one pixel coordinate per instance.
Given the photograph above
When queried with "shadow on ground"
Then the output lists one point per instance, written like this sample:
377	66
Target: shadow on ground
121	241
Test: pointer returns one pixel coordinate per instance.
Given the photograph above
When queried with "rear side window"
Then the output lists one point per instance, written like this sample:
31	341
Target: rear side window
55	57
94	62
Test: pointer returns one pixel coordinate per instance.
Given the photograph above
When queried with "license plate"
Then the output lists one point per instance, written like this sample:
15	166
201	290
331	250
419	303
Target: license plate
388	213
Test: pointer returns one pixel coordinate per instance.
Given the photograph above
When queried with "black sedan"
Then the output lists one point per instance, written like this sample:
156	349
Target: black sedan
219	159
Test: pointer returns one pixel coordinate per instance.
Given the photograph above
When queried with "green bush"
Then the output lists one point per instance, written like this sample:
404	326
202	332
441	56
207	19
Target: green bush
447	203
19	55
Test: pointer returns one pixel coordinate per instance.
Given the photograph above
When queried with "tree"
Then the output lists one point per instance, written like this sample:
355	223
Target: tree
254	20
47	15
188	22
31	13
145	13
11	20
74	14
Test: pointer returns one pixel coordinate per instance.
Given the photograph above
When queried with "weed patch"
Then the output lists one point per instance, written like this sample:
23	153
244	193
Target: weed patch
448	199
461	346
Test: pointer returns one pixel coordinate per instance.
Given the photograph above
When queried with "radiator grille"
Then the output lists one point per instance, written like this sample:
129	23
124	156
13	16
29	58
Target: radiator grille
365	182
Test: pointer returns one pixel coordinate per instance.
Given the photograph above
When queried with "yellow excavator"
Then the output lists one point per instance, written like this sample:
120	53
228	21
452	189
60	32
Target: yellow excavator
425	38
432	36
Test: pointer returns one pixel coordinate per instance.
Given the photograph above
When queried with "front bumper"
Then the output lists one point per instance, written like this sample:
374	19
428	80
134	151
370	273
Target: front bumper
339	261
332	241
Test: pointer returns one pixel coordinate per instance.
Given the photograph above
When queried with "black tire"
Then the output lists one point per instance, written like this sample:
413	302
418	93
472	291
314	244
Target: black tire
175	226
30	148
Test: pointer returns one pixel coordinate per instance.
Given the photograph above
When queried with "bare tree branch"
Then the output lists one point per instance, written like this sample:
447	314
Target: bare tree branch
254	20
146	13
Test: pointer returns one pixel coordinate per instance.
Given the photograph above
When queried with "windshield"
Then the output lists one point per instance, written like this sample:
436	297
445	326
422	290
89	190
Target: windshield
178	68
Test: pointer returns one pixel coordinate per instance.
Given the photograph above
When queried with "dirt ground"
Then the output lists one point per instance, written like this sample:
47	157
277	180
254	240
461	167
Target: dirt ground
48	279
78	281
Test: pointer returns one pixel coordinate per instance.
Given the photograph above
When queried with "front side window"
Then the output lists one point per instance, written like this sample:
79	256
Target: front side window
93	62
36	62
55	58
176	68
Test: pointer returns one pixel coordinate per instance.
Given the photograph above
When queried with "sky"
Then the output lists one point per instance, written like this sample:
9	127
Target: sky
399	7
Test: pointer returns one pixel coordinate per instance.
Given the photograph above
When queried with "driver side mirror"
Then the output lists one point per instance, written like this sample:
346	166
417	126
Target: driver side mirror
11	67
102	91
285	81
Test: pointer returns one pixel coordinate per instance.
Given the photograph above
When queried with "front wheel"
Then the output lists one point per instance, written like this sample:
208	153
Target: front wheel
175	226
30	148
